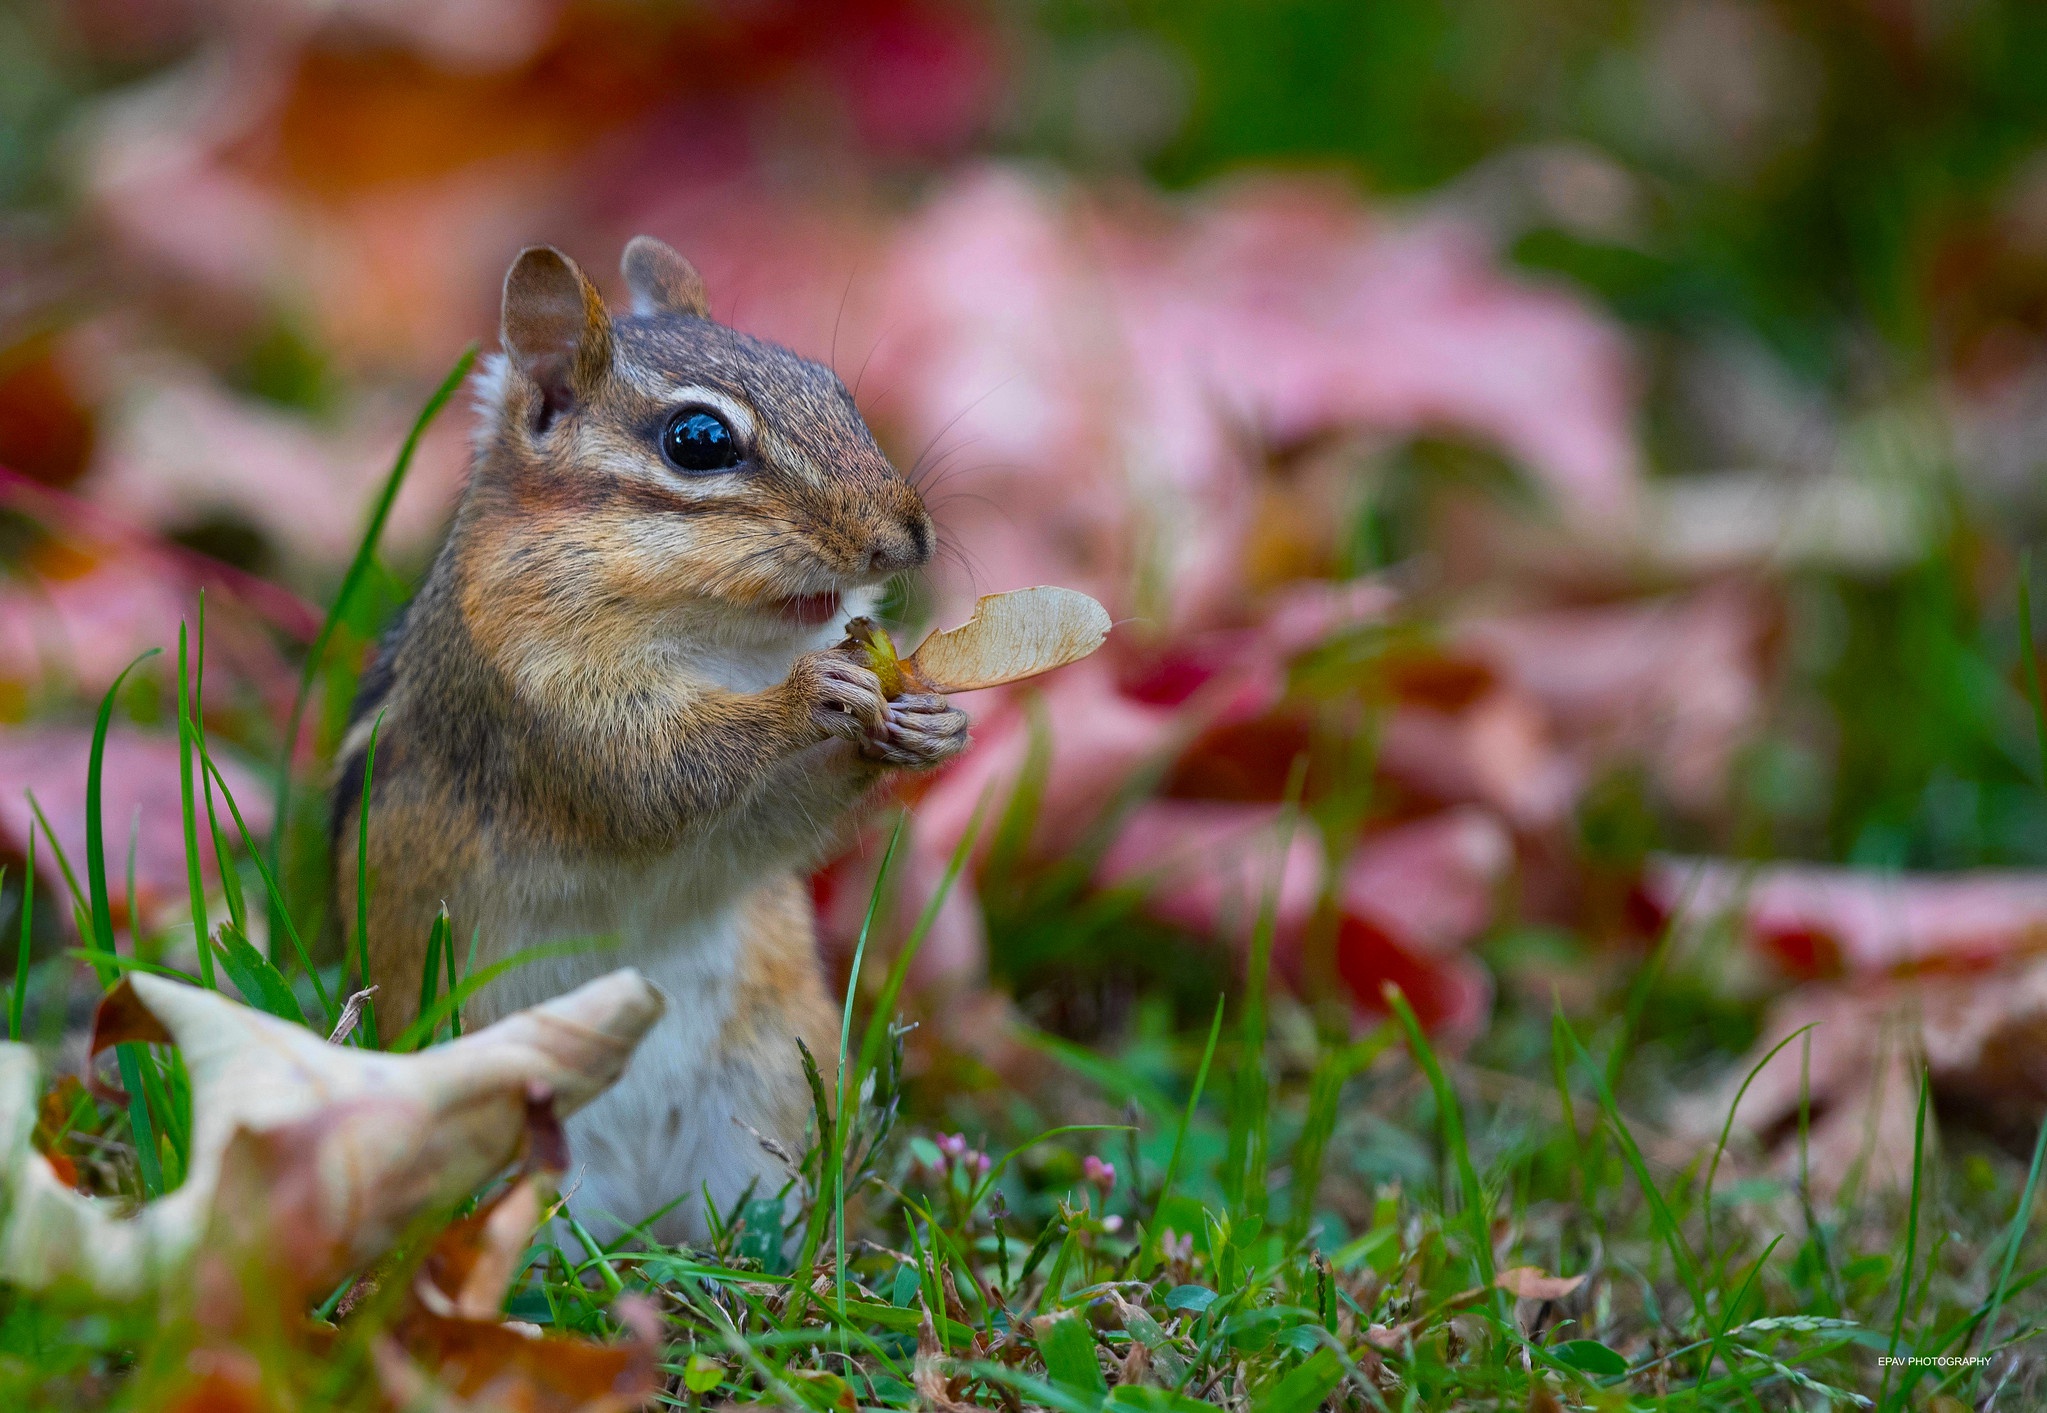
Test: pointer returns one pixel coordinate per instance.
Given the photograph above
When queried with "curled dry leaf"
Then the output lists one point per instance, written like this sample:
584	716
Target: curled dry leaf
1533	1283
448	1349
1011	636
394	1136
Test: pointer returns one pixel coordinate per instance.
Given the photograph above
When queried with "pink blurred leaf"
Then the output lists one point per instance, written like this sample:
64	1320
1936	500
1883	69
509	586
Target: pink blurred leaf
1818	919
141	773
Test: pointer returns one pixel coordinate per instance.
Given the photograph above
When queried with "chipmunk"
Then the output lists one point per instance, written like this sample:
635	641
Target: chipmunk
614	714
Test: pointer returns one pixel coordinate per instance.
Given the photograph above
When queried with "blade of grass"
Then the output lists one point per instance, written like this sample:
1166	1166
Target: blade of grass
430	974
1646	979
1215	1030
448	958
188	815
261	984
1911	1237
1325	1090
1816	1231
362	885
102	908
2021	1219
351	581
1244	1172
327	1005
1659	1209
876	1033
2034	694
1706	1253
1560	1075
842	1127
129	1057
134	907
223	857
71	883
424	1026
17	1002
1450	1115
468	970
879	1020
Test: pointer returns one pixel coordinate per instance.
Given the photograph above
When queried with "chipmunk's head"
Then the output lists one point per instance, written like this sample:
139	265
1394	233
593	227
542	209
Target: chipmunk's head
659	469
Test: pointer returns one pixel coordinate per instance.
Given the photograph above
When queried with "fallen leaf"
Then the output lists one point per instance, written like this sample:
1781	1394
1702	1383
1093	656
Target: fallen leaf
1533	1283
391	1137
1820	919
472	1263
1979	1035
140	788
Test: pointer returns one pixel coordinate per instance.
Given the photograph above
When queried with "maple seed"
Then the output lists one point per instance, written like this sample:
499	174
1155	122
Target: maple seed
1010	637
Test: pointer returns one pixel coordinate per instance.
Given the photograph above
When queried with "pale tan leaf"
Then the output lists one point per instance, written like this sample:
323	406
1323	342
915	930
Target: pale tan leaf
1010	637
1533	1283
383	1138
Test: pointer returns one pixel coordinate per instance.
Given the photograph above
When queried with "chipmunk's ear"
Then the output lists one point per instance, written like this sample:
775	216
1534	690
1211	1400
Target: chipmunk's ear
556	330
662	282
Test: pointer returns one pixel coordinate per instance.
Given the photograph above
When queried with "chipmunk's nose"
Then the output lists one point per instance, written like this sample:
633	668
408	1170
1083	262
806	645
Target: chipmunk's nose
905	545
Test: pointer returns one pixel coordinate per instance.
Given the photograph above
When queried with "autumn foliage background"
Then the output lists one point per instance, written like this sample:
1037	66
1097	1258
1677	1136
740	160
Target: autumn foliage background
1585	451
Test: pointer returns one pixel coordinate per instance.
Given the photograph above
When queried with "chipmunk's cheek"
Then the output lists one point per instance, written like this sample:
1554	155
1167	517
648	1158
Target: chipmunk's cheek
807	610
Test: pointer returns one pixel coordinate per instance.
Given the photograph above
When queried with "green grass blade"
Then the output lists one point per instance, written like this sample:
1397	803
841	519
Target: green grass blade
1325	1091
1560	1076
1244	1173
1302	1389
1068	1349
475	980
1911	1234
448	957
362	886
351	581
430	974
842	1127
1646	979
188	813
261	984
327	1005
883	1015
1172	1173
101	904
2034	695
1659	1209
1727	1128
71	883
1477	1210
129	1058
17	1002
133	900
2021	1219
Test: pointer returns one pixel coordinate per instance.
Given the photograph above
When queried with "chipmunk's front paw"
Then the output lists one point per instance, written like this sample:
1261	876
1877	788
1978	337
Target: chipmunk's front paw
917	733
842	696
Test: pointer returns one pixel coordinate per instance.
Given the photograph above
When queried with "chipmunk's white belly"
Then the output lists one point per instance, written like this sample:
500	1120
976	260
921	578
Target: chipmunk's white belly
675	1123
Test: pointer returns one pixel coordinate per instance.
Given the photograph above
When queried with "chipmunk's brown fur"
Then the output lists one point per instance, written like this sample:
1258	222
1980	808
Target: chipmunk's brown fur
612	714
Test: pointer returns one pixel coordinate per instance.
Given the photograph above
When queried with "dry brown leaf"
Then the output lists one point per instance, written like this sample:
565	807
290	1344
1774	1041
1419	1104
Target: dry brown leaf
1533	1283
471	1265
1979	1034
1390	1339
390	1137
934	1385
451	1363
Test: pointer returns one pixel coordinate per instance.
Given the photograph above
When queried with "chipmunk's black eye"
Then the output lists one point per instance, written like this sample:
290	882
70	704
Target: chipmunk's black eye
699	441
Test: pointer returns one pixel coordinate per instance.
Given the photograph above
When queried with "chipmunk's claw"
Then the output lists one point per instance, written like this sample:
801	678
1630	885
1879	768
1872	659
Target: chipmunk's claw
917	733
